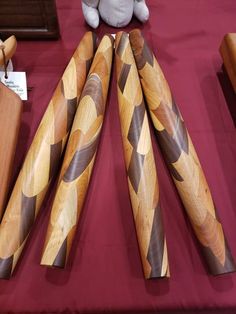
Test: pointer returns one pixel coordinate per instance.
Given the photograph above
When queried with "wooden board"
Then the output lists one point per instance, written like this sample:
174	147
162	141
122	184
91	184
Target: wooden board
28	19
10	113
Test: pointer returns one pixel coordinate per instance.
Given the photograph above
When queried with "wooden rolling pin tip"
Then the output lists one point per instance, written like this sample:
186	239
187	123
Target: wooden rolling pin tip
6	267
214	266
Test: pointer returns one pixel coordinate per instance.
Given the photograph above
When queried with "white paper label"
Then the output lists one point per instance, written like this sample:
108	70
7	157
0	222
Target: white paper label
16	81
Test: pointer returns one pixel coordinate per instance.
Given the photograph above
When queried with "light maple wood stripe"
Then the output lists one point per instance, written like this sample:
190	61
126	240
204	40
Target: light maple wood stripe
43	157
140	164
182	160
79	159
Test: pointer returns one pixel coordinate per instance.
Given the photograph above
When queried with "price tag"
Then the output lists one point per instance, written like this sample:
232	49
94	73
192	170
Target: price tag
16	81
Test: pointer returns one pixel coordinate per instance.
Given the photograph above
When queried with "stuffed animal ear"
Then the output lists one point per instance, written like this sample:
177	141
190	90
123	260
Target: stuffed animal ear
141	10
90	12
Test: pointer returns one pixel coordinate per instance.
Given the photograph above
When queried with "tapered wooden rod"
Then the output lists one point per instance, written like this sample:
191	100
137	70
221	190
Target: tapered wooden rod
43	157
79	159
140	163
10	115
182	159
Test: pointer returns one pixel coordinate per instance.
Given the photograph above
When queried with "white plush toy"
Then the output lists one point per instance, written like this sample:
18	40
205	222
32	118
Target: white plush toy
117	13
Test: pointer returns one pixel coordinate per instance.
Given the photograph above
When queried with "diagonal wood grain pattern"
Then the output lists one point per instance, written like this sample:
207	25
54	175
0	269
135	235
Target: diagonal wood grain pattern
182	159
43	157
140	163
79	159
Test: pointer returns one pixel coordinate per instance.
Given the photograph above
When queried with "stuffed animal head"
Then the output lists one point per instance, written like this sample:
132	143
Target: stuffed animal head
117	13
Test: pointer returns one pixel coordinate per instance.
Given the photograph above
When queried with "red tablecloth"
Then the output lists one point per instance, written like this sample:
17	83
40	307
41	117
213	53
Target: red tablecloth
104	272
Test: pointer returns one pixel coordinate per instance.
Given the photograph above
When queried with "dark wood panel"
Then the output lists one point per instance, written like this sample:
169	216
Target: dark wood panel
28	19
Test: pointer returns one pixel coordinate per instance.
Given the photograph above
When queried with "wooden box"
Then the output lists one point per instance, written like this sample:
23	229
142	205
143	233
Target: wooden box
31	19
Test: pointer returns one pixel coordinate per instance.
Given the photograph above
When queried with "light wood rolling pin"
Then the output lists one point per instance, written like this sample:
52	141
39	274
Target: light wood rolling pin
228	53
10	115
140	163
9	46
43	157
182	159
79	159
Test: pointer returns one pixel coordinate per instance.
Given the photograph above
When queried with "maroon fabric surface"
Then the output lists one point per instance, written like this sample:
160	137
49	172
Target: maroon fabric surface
104	272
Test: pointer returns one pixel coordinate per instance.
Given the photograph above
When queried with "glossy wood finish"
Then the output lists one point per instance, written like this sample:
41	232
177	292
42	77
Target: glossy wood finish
10	115
140	163
182	159
228	53
79	159
43	157
9	46
31	19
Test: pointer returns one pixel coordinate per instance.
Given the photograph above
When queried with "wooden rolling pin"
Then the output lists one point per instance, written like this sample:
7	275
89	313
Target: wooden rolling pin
228	53
9	46
43	157
10	115
79	159
182	159
140	163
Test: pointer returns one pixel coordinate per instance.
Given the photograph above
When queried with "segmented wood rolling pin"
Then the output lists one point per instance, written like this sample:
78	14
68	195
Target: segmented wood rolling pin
182	159
43	157
140	163
79	159
10	115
